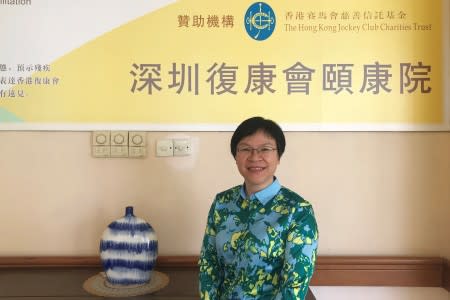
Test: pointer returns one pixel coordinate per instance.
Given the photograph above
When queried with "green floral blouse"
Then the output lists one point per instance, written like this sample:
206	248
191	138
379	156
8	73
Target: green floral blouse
258	247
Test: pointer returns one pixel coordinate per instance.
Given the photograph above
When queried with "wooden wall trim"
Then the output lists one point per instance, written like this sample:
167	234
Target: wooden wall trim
379	271
446	276
330	270
85	261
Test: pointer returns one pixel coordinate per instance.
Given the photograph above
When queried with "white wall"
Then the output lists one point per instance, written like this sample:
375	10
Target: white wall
383	193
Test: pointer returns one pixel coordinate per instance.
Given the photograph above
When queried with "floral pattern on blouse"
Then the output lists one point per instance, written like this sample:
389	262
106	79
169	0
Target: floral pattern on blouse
258	247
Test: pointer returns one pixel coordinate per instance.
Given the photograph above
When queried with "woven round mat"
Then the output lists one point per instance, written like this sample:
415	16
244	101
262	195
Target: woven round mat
99	286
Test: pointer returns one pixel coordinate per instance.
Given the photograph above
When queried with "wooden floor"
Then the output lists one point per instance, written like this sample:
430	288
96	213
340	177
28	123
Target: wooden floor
66	283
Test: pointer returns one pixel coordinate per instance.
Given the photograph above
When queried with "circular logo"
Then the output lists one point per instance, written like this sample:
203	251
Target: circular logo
259	21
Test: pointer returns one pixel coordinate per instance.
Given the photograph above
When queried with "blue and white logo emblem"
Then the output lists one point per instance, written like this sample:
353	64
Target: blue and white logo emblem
259	21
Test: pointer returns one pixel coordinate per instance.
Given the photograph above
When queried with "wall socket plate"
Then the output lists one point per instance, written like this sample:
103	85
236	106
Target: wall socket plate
164	147
182	147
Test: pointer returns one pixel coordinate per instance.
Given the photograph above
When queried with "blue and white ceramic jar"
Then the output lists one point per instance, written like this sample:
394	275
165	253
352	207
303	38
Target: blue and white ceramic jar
128	250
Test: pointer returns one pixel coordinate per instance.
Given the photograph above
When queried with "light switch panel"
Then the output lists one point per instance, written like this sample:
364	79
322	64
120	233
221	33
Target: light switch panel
164	148
119	138
182	147
119	144
137	152
100	138
119	151
136	139
101	151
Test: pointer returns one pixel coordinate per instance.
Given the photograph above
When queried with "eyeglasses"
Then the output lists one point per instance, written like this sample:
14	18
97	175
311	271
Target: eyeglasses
263	151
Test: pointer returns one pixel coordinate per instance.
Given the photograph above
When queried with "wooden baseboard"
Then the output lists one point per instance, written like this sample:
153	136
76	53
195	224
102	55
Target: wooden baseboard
330	270
446	276
85	261
379	271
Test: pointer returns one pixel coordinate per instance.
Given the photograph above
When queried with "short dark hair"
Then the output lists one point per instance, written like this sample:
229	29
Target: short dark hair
254	124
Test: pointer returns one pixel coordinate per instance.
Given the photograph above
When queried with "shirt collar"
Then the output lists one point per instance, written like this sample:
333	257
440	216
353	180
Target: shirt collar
264	195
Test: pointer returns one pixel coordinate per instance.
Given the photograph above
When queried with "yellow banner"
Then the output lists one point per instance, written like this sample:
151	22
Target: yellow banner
200	65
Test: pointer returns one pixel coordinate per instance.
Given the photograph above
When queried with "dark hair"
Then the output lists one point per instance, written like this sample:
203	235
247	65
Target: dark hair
251	126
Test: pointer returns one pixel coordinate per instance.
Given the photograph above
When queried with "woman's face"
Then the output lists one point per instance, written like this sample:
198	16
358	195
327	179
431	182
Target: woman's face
257	160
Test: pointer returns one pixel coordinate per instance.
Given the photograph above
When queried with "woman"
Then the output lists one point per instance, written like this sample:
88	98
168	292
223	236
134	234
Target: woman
261	238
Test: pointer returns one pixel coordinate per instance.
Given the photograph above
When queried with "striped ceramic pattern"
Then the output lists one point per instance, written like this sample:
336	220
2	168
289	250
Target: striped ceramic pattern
128	250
